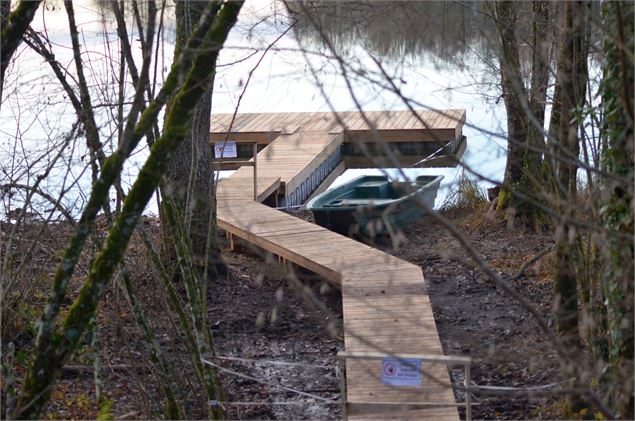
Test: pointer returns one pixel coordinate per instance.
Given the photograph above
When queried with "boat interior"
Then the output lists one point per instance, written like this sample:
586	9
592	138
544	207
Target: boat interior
376	191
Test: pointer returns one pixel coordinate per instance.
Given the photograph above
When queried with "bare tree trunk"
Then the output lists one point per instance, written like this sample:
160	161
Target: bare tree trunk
539	74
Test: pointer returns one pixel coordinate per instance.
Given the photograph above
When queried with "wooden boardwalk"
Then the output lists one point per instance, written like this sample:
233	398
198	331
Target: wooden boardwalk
385	305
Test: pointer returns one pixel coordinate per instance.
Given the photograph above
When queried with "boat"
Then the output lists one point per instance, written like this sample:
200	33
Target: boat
374	205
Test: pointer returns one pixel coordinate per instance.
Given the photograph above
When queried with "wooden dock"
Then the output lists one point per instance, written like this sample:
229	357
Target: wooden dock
391	126
386	308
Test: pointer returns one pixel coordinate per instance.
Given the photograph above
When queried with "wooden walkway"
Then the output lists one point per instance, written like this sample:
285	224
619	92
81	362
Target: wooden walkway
385	305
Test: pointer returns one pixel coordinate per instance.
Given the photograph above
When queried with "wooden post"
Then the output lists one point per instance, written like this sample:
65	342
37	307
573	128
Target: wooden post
468	400
255	171
341	366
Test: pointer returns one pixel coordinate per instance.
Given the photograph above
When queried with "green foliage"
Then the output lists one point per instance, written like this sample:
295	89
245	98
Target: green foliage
105	410
617	208
26	314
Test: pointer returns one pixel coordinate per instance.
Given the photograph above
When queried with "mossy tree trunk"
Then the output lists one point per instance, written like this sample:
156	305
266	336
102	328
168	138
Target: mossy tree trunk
190	178
52	351
539	76
572	78
617	211
14	25
525	110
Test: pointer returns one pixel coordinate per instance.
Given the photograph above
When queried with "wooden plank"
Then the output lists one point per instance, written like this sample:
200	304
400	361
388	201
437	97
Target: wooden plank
353	120
337	124
384	120
428	116
450	119
428	119
372	119
360	123
396	124
278	121
456	119
253	123
291	122
320	121
239	122
439	120
403	123
264	123
413	120
259	124
301	120
315	119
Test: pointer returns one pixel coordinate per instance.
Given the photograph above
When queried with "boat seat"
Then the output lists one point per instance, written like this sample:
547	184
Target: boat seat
369	189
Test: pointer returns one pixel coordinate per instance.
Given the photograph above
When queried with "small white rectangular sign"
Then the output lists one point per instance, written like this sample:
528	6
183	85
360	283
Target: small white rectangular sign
225	150
401	372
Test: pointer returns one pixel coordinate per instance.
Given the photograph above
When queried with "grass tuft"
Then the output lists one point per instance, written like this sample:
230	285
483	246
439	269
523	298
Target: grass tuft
465	195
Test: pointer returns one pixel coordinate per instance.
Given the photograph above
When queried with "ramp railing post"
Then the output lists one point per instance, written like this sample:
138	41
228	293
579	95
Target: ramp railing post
255	151
341	367
468	399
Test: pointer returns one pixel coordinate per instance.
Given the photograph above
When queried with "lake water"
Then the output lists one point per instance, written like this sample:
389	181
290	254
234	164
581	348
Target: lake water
35	116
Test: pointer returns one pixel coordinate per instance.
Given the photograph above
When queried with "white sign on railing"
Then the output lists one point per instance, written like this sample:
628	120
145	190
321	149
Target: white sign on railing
401	372
225	150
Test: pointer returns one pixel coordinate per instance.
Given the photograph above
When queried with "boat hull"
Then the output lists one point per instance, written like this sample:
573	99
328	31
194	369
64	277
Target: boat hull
372	205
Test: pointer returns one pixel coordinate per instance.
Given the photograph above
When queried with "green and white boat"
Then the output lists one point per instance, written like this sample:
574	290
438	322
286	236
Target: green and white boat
373	205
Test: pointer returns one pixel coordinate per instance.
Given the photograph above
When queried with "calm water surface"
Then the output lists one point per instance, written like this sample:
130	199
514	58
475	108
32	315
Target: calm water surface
296	74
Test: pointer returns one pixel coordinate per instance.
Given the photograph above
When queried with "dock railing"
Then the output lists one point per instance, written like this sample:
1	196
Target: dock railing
343	356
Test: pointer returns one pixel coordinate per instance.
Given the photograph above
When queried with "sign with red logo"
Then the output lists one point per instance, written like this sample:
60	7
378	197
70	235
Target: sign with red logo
225	150
401	372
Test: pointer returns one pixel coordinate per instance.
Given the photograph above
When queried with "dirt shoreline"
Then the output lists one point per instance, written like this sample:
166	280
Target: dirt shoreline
260	321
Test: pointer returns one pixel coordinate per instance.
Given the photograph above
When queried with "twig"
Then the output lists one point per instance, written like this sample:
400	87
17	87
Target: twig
76	370
128	415
525	266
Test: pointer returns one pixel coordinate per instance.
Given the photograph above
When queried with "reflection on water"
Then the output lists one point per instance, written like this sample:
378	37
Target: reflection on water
440	30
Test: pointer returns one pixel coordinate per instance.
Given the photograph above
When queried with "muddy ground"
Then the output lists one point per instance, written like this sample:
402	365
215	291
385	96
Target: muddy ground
271	339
